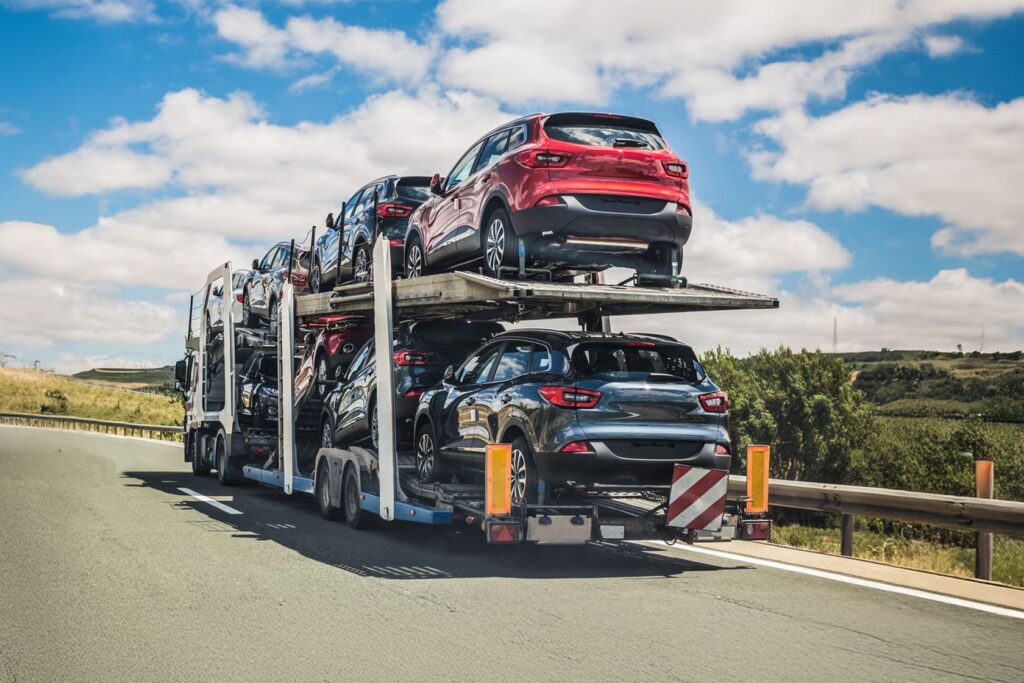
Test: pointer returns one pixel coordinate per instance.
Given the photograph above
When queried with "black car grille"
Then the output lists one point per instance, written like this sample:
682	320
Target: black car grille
618	204
654	449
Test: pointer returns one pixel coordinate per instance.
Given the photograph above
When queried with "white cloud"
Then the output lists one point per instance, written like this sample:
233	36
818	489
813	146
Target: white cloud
7	129
945	156
585	51
383	53
943	46
103	11
43	313
94	169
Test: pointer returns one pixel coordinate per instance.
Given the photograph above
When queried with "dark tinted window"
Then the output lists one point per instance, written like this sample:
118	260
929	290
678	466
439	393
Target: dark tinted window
279	258
479	366
268	259
359	362
515	361
464	168
518	136
350	205
418	193
636	360
495	147
603	131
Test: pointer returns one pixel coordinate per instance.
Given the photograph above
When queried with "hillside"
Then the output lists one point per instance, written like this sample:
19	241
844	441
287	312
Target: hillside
30	391
130	378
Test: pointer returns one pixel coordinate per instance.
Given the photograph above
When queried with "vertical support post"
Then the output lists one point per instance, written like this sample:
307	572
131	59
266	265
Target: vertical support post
340	226
376	218
984	478
291	259
286	384
387	457
846	540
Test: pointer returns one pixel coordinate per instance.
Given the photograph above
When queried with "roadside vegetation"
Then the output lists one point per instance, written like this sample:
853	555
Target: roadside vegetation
46	393
822	426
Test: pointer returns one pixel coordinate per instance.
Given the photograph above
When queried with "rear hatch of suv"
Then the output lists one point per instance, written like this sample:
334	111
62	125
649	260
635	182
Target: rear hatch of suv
644	399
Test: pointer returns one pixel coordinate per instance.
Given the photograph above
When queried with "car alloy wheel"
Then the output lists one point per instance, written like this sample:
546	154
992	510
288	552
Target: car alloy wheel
362	265
374	433
321	376
495	249
314	280
425	456
414	262
520	476
327	435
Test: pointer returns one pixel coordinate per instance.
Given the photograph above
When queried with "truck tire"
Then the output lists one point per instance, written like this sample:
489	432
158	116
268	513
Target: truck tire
323	491
355	516
200	467
221	458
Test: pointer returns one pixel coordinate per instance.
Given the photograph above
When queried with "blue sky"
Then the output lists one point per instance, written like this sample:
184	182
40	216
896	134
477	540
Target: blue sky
861	166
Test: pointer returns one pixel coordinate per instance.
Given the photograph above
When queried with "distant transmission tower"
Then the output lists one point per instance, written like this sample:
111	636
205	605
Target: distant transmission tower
835	335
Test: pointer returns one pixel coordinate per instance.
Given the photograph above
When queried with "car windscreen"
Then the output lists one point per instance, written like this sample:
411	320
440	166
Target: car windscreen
598	131
636	360
417	189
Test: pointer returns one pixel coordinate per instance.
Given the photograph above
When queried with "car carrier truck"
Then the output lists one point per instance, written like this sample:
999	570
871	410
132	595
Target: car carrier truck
367	486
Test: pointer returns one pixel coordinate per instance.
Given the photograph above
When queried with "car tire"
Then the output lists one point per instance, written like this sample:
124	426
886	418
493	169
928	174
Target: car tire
199	466
316	278
272	312
362	264
524	473
499	245
248	318
355	516
415	258
221	458
429	467
322	370
373	418
323	491
327	434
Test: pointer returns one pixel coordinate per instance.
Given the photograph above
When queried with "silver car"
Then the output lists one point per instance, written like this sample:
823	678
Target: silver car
215	309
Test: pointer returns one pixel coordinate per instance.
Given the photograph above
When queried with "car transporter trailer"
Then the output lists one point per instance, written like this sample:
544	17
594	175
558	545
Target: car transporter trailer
369	486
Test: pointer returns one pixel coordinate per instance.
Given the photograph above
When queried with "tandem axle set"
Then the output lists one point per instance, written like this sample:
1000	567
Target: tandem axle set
366	486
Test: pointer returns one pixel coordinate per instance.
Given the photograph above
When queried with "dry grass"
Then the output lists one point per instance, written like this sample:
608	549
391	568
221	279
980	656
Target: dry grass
1007	566
29	391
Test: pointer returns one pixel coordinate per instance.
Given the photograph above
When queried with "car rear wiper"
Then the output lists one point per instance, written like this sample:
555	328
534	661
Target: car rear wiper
629	142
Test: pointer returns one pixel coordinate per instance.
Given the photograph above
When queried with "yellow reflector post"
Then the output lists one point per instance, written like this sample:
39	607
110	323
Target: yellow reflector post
498	471
757	478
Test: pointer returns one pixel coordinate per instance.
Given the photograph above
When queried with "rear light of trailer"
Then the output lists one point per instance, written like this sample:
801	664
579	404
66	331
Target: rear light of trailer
756	529
715	402
397	242
393	210
676	169
406	358
721	449
542	158
414	393
570	397
503	532
577	447
551	200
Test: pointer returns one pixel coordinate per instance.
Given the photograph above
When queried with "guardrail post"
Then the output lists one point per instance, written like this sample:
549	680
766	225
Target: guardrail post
984	478
846	540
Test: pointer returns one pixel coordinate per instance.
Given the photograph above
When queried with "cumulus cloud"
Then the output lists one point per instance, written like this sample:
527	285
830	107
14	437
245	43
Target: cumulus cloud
943	46
386	54
723	57
946	156
103	11
7	128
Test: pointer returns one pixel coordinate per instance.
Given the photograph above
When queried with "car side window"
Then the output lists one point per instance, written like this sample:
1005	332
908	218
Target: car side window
268	259
515	361
359	362
479	366
280	259
350	205
495	147
464	168
540	361
517	136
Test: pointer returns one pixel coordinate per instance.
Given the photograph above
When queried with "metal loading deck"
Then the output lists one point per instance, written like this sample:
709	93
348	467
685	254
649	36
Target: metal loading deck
448	295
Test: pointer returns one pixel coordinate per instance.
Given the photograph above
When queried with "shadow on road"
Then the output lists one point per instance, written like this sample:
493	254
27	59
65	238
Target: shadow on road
403	550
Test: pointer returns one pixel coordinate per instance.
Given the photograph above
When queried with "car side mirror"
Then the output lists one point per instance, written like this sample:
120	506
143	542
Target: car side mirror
449	373
330	221
255	264
435	184
181	371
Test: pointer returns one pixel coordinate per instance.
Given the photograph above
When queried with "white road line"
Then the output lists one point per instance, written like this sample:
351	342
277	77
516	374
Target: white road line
206	499
866	583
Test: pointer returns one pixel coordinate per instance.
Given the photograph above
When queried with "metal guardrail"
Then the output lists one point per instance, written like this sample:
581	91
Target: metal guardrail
165	432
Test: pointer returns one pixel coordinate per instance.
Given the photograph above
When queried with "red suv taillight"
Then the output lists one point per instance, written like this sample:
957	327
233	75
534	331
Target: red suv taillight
570	397
577	447
406	358
721	449
542	158
299	280
393	210
676	169
715	402
550	200
414	393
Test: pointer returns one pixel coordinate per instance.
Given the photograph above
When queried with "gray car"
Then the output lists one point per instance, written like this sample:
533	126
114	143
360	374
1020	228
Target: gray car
262	293
579	408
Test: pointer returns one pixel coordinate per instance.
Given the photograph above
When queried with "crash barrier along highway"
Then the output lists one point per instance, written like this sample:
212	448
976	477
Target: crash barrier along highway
162	432
370	485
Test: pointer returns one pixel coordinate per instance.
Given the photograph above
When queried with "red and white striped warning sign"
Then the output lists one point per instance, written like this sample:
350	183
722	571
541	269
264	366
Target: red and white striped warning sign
697	498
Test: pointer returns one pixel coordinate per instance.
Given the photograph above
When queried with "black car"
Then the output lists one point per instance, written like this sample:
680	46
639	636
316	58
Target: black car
579	408
262	292
257	391
422	352
397	198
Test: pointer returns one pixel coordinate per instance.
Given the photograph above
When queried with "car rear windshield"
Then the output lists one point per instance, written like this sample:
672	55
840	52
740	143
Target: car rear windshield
598	131
636	360
416	189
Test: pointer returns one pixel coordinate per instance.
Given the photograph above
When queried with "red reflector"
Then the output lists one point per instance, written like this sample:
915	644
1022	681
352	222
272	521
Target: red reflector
413	393
570	397
577	447
757	530
551	200
240	297
406	358
542	158
721	449
715	402
503	532
393	210
396	243
676	169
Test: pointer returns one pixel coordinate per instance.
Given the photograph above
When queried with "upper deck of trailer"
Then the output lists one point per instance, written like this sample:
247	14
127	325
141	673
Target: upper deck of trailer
461	293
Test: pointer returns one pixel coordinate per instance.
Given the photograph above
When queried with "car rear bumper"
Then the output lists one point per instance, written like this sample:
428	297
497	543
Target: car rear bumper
610	464
600	226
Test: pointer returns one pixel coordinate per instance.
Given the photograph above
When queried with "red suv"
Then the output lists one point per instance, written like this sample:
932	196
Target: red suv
568	192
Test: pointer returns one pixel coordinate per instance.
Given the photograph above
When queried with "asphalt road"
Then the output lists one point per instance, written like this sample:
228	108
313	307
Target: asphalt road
109	572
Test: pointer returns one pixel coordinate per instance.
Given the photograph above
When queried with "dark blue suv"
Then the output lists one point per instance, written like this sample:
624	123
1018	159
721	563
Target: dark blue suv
579	408
352	239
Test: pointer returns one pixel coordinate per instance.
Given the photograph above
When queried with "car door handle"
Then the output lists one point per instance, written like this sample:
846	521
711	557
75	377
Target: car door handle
470	401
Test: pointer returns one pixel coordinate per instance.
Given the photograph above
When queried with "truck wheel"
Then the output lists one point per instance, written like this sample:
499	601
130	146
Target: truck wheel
199	466
221	458
524	473
355	516
323	491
